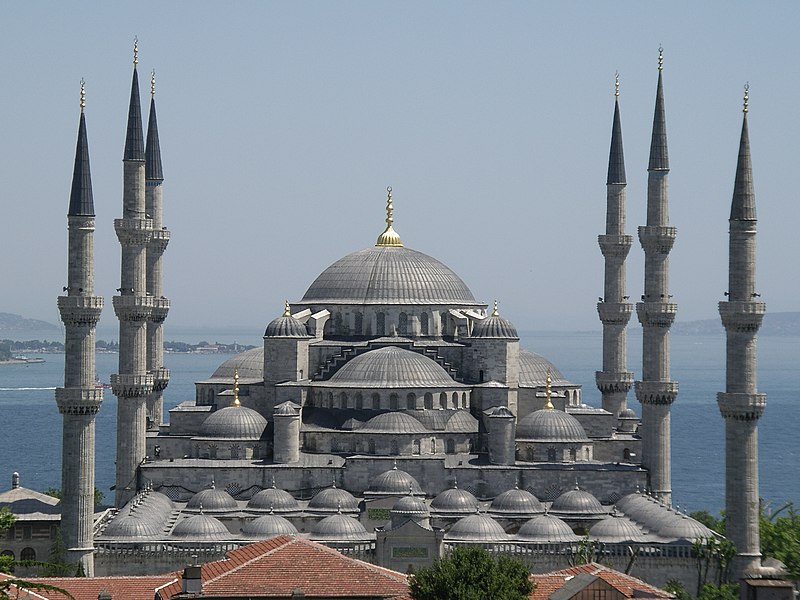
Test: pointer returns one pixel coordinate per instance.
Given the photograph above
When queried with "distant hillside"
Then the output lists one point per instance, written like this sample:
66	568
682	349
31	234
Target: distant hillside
782	323
15	323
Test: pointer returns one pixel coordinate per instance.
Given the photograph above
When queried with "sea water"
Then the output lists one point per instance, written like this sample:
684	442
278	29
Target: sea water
30	425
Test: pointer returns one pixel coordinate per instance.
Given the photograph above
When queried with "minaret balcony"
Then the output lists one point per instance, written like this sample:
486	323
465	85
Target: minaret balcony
615	313
81	311
160	310
613	381
656	392
656	314
134	232
615	246
79	401
134	307
657	240
127	385
742	317
741	407
160	379
159	240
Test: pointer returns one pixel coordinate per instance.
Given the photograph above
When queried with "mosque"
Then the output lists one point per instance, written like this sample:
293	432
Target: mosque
392	415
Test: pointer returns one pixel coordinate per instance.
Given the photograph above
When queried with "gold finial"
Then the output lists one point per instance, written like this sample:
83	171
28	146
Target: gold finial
494	312
616	84
660	58
389	237
236	387
83	94
746	96
135	51
153	83
548	391
287	311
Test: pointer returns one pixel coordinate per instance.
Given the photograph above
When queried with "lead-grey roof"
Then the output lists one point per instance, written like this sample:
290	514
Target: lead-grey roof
685	528
333	499
577	502
268	526
533	370
477	528
516	502
616	157
388	275
546	528
201	527
496	327
659	156
411	505
339	527
286	326
81	202
394	482
455	500
743	206
152	151
615	529
250	364
212	500
132	526
134	139
392	367
393	422
273	499
551	425
235	423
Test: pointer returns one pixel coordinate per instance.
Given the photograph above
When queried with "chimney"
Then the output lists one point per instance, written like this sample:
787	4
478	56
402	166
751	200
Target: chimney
298	594
104	595
192	580
14	480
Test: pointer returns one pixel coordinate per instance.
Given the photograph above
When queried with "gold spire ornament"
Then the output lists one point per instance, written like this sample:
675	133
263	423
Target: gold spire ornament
83	94
746	97
236	387
494	311
135	51
616	84
389	237
153	83
287	311
548	392
660	58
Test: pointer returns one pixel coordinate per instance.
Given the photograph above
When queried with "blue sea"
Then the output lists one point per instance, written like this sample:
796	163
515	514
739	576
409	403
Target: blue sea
30	429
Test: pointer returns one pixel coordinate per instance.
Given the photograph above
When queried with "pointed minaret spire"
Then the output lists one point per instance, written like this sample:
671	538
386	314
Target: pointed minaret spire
616	158
152	153
134	141
81	202
743	207
659	157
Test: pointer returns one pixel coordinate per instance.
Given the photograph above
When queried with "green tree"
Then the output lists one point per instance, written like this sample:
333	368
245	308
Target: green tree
725	591
780	536
472	574
56	493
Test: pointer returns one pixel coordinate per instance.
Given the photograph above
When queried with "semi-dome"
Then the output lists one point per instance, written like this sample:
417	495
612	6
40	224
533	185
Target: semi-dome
495	326
234	422
462	422
395	482
388	275
132	526
268	526
212	500
615	529
546	528
394	422
516	502
286	326
392	367
201	527
577	502
534	368
551	425
477	528
455	500
333	499
249	363
339	527
273	499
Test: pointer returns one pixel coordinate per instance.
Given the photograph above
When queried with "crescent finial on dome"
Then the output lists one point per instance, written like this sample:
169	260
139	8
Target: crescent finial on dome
494	311
548	391
389	237
236	387
287	311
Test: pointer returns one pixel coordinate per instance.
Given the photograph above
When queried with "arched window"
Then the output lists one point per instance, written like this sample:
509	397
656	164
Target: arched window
235	449
463	399
443	400
411	401
376	401
212	451
433	445
380	324
450	446
573	454
337	323
353	446
359	323
415	447
27	554
428	400
551	455
393	402
343	400
402	324
455	399
423	324
371	446
334	444
330	400
359	401
394	449
444	324
626	455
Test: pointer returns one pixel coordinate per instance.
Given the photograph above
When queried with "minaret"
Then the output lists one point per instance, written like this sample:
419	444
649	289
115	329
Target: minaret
741	405
614	381
155	274
133	383
79	399
656	391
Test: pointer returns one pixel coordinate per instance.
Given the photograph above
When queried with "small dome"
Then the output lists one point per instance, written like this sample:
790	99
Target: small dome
234	423
551	425
201	527
462	422
516	502
249	363
268	526
628	421
627	413
546	528
392	367
477	528
685	528
156	501
411	505
339	527
394	422
132	526
394	482
333	499
534	368
631	501
577	502
273	499
455	500
495	326
212	500
615	529
287	408
286	326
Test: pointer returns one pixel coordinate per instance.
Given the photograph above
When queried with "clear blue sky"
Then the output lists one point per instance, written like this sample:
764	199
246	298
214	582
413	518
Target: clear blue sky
282	123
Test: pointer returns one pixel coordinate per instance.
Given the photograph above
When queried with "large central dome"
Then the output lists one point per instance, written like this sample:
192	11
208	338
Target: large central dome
388	275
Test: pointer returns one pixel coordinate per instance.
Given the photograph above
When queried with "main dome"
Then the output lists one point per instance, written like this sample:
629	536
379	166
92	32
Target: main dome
388	275
392	367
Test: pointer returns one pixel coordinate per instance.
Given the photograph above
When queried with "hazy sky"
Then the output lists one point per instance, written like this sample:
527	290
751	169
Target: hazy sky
282	123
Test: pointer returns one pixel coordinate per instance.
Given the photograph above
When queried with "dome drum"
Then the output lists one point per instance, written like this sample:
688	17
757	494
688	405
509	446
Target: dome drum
452	397
387	443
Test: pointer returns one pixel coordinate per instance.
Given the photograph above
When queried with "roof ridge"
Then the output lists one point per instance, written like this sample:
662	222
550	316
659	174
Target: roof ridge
288	541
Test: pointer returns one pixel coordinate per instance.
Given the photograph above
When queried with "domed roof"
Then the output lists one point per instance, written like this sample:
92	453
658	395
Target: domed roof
268	526
333	499
132	526
551	425
250	364
394	422
157	502
455	500
392	367
212	500
286	326
685	528
533	370
462	422
546	528
495	326
516	502
339	527
627	413
615	529
477	528
411	505
577	502
394	482
234	422
201	527
273	499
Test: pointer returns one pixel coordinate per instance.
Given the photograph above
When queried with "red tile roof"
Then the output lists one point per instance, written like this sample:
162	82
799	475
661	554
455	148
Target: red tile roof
548	583
87	588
